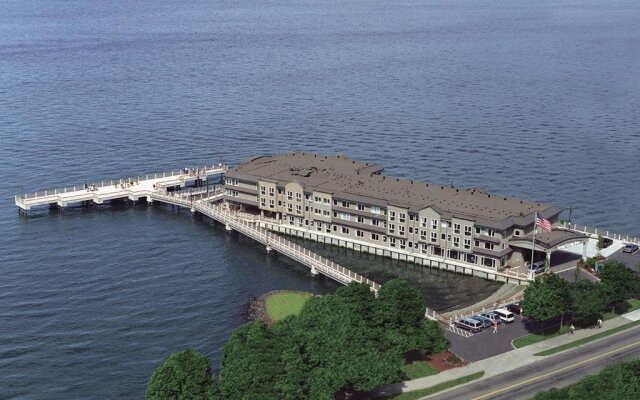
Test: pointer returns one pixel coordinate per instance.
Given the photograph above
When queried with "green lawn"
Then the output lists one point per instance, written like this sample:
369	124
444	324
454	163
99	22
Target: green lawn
532	338
282	304
418	394
632	304
587	339
418	369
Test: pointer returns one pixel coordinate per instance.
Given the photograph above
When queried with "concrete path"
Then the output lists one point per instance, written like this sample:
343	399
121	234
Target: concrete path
501	363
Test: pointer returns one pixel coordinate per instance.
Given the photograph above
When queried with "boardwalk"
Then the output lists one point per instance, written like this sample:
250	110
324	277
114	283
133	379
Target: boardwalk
202	203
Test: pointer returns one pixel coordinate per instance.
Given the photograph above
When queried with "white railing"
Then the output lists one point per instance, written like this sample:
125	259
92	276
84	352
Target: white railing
276	242
594	232
187	172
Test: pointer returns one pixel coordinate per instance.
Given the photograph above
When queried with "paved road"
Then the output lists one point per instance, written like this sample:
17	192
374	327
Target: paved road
486	343
632	261
557	371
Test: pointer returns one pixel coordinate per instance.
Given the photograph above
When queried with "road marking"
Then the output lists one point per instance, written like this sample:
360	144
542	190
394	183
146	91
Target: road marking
536	378
566	269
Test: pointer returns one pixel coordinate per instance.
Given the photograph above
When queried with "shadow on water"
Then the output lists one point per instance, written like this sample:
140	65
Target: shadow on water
442	290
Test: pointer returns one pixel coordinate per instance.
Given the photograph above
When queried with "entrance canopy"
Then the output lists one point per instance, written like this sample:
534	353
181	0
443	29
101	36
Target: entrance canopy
557	239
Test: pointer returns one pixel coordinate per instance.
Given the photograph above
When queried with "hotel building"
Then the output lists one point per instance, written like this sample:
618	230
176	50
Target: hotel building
334	196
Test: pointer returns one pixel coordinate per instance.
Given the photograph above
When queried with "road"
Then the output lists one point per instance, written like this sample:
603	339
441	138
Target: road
557	371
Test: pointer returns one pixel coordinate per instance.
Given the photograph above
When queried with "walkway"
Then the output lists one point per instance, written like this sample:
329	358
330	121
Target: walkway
318	264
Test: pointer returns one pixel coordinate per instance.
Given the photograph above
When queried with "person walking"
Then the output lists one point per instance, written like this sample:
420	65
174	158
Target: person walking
572	329
495	326
599	323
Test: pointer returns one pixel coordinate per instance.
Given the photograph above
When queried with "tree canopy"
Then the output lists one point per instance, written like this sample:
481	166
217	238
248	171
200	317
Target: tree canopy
587	301
619	282
184	375
546	298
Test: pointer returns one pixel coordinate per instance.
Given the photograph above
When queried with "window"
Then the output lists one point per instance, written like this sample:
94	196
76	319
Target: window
279	191
392	242
411	230
361	219
375	222
401	229
403	243
317	199
437	251
401	217
443	236
456	242
471	258
329	228
423	235
434	224
424	222
263	202
488	246
306	208
392	228
345	204
335	202
317	211
335	214
375	210
335	228
392	215
279	203
411	217
516	232
360	207
298	208
326	213
272	191
434	237
477	230
467	243
490	232
291	219
467	230
456	229
344	216
289	207
425	247
476	243
289	195
359	234
326	201
263	191
319	225
375	236
272	203
345	230
298	197
384	239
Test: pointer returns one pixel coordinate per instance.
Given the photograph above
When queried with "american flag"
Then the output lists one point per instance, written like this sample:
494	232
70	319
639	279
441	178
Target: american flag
543	223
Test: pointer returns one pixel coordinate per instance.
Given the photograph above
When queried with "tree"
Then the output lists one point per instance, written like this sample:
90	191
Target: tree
183	375
587	301
619	282
600	244
546	298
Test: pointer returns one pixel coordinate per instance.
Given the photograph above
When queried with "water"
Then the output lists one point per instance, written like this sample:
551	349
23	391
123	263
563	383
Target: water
537	100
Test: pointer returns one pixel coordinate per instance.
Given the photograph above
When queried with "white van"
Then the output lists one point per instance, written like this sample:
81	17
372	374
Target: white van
505	315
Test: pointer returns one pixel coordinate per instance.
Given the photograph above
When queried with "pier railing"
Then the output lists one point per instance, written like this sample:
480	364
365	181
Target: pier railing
594	232
188	172
317	263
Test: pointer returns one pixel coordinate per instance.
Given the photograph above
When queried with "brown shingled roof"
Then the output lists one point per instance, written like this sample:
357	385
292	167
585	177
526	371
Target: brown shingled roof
360	181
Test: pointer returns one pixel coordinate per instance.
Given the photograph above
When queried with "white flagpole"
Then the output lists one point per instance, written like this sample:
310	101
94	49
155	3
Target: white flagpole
533	242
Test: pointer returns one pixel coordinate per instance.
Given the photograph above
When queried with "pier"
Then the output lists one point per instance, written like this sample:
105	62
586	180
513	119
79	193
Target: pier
126	188
199	198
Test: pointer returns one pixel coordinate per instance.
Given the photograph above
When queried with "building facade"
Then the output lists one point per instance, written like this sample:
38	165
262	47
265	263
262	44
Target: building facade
337	196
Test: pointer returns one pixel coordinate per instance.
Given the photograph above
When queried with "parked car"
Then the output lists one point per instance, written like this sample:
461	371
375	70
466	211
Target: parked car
470	324
486	322
630	248
505	315
515	308
538	267
492	317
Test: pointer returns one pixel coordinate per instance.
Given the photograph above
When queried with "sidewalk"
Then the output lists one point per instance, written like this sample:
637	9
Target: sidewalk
504	362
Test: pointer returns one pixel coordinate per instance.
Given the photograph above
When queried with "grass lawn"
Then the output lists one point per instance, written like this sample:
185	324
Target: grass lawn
532	338
280	305
633	304
418	369
587	339
418	394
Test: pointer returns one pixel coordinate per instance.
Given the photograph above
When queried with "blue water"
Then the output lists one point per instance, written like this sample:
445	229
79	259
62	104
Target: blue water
532	99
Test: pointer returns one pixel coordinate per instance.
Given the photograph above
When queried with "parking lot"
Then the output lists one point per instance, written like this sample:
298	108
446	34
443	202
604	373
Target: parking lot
631	260
486	343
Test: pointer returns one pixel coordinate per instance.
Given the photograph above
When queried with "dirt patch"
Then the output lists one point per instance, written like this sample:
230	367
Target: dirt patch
445	360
